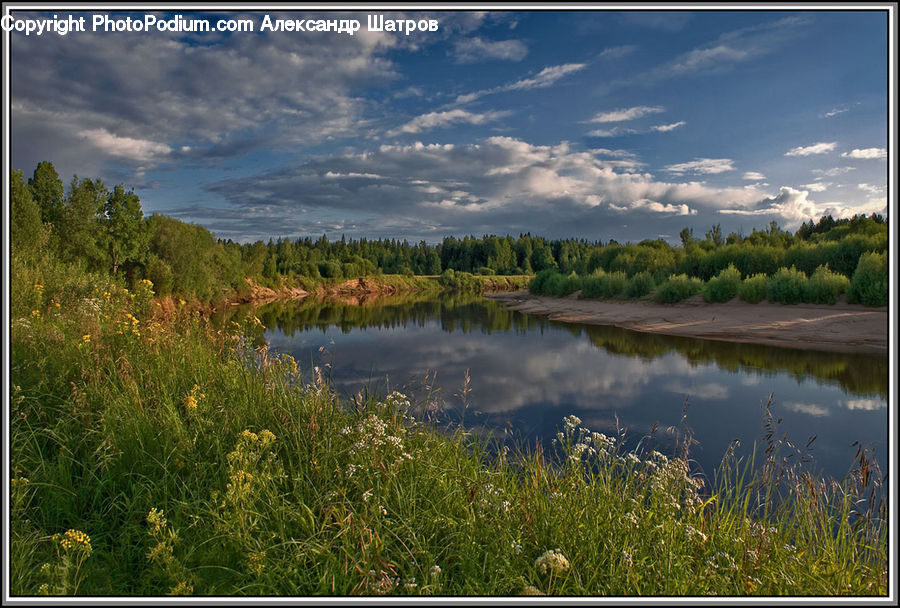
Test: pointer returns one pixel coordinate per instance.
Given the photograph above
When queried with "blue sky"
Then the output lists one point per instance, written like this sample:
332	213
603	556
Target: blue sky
589	124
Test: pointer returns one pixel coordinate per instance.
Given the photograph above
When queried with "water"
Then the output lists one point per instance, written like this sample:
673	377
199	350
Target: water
527	373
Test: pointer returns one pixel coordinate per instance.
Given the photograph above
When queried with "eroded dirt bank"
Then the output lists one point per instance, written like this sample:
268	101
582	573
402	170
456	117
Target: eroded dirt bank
841	327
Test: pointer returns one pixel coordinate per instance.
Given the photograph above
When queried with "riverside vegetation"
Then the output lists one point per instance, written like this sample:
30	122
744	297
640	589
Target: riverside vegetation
152	453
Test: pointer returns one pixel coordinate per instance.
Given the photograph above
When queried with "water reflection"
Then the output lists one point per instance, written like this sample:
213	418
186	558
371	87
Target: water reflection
528	372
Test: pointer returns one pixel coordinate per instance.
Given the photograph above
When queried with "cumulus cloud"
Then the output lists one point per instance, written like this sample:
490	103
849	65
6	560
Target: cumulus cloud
871	189
754	176
867	153
703	166
472	50
817	186
499	184
140	150
818	148
626	114
434	120
795	206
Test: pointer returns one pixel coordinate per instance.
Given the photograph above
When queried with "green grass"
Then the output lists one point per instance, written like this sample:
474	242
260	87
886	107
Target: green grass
196	464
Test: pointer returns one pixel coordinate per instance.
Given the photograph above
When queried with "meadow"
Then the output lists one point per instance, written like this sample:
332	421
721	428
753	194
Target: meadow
152	453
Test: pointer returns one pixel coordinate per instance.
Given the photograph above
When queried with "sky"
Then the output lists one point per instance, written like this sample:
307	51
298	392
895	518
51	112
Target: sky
589	124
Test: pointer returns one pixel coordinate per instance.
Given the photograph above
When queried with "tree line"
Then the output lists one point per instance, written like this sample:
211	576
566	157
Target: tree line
105	229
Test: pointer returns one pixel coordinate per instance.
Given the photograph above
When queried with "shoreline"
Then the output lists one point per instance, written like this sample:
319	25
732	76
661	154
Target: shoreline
840	327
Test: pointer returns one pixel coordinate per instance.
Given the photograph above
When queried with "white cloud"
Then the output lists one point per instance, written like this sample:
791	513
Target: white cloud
139	150
613	132
544	78
669	127
868	405
434	120
818	148
817	186
833	172
812	409
794	206
703	165
871	189
754	176
472	50
867	153
626	114
834	112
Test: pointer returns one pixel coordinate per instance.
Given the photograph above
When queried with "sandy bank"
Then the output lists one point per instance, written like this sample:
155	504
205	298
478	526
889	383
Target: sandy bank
841	327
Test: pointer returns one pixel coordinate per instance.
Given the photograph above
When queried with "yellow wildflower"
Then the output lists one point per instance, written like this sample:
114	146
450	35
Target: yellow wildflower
74	540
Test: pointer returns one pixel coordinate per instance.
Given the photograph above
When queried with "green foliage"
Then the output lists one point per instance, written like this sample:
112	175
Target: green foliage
603	284
152	457
676	288
27	233
639	285
787	286
824	286
753	289
47	190
869	284
126	232
724	286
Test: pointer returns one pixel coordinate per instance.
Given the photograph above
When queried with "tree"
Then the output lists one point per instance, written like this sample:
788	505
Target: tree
25	228
80	231
687	237
126	232
714	235
47	190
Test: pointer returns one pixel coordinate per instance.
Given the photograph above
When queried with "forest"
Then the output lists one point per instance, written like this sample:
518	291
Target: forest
105	229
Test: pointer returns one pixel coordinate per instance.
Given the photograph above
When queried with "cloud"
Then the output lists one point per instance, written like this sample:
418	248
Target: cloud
617	52
871	189
703	166
626	114
812	409
544	78
613	132
434	120
867	153
834	171
819	148
817	186
472	50
500	184
139	150
669	127
794	207
753	176
834	112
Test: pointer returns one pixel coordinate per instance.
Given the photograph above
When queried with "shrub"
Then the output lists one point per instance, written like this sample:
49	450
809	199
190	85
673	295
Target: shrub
723	286
787	286
753	289
677	288
538	283
869	284
603	284
825	286
639	285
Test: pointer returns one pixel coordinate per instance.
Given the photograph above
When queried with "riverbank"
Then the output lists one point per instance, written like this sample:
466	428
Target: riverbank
841	327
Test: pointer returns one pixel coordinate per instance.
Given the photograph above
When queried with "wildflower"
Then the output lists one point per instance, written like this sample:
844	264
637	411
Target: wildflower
570	422
86	338
435	571
552	561
516	547
627	557
156	518
182	588
75	540
531	590
255	563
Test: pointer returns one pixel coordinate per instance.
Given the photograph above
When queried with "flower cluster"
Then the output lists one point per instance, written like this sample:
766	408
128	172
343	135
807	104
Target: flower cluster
376	446
75	541
193	399
552	562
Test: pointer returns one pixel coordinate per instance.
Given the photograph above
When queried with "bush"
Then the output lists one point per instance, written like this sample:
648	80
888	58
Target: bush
639	285
787	286
723	286
869	284
753	289
677	288
825	286
539	283
603	284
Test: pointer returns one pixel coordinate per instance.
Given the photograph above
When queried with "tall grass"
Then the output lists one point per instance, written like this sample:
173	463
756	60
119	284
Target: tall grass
152	454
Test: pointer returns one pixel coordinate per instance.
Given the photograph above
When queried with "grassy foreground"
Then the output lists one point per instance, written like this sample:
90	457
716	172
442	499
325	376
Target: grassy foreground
152	455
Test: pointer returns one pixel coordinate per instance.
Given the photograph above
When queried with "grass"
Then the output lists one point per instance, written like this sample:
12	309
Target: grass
154	455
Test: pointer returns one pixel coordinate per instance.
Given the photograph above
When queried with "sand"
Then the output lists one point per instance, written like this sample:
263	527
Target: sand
840	327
